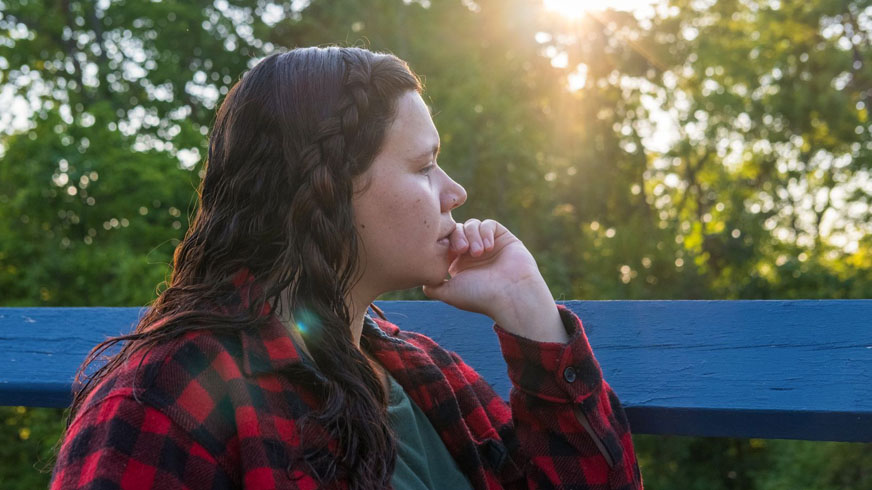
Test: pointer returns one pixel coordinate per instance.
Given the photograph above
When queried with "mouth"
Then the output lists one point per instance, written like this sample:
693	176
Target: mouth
446	239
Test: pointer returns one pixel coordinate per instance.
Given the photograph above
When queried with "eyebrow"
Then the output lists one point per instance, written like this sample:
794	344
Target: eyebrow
432	152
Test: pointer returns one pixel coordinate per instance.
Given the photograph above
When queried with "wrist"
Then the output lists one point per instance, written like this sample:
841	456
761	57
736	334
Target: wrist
530	312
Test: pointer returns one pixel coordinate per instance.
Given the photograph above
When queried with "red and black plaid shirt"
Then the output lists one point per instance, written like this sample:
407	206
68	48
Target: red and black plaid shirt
213	411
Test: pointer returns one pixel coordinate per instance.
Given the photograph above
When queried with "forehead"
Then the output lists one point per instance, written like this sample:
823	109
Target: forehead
412	132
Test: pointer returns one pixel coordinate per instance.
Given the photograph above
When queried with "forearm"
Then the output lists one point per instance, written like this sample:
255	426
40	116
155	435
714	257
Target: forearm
528	310
561	403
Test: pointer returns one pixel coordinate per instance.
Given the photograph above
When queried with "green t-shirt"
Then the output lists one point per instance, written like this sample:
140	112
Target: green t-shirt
423	461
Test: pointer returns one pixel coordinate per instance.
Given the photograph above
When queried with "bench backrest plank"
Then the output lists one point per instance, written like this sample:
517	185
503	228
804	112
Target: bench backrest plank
771	369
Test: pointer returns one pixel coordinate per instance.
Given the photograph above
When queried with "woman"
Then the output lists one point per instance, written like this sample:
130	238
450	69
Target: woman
259	367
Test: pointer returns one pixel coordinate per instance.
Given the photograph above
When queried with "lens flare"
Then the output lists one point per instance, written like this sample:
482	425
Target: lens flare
306	321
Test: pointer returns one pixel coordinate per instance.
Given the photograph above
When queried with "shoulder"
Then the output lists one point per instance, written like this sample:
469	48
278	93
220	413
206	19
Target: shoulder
183	379
119	440
203	383
166	371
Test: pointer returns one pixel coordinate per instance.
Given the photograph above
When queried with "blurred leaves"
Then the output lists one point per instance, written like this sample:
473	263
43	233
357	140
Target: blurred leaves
29	436
706	149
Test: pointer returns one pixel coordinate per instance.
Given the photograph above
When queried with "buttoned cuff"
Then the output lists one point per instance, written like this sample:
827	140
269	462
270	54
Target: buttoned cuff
560	373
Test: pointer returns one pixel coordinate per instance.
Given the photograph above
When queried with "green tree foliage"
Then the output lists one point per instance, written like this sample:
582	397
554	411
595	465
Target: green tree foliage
768	179
705	149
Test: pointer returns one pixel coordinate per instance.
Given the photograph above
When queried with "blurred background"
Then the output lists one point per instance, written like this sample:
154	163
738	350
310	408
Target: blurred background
678	149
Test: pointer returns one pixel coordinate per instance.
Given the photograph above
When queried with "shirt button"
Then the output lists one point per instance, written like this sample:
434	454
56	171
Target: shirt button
569	374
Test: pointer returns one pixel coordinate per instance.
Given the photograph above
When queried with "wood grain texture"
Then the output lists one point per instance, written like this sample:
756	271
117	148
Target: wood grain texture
772	369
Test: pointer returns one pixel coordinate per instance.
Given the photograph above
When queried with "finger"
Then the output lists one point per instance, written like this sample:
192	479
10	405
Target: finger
487	230
473	236
458	240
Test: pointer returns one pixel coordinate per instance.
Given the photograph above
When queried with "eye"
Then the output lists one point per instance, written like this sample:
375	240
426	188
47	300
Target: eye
429	168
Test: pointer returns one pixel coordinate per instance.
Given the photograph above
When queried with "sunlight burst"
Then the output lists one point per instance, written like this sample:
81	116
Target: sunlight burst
575	9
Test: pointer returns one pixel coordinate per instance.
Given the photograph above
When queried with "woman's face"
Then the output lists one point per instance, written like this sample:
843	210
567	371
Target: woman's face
402	205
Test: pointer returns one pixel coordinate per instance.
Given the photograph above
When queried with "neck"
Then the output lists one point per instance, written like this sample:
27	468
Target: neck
357	301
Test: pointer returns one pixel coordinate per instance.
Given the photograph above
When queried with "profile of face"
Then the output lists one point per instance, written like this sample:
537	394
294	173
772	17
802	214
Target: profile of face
402	205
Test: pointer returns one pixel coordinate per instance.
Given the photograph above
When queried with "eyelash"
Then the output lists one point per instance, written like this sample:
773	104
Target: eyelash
426	170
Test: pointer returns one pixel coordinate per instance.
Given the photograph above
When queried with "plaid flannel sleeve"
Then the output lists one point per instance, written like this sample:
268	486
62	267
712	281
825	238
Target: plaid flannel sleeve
121	443
570	424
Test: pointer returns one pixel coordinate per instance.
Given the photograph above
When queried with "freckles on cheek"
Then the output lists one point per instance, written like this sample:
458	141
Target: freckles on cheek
403	210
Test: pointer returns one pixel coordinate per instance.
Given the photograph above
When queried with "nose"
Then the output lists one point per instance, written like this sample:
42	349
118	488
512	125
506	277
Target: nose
453	195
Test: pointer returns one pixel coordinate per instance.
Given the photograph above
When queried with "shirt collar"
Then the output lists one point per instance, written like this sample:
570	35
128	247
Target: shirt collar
378	327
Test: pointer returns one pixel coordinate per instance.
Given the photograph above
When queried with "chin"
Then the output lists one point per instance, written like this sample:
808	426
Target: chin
429	273
430	279
433	277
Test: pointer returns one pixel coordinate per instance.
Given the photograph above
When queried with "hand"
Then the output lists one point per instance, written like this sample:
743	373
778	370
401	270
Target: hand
488	259
493	273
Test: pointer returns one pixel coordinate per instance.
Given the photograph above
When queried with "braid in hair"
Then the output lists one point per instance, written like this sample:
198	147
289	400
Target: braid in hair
354	410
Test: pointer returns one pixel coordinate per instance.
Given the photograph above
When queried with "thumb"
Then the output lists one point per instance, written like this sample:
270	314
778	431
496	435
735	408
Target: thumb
438	291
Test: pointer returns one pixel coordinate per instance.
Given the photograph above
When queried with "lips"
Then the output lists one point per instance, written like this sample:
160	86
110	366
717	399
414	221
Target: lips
446	238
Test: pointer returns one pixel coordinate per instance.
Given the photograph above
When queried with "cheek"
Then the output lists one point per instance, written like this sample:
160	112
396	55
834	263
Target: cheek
409	220
405	214
411	211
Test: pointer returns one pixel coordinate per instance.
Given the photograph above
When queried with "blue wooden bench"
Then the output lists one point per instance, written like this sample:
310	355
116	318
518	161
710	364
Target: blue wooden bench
768	369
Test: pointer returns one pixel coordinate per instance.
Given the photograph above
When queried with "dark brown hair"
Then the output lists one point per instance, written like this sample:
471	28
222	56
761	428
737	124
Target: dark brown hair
276	200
